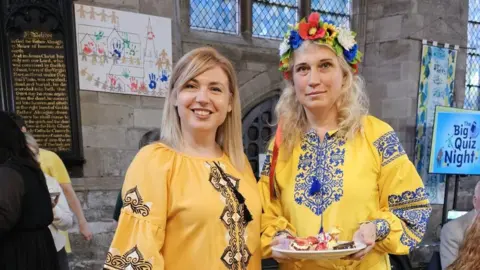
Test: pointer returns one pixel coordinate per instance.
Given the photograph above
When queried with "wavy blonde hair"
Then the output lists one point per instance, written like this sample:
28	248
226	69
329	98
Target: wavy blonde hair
469	252
229	134
352	105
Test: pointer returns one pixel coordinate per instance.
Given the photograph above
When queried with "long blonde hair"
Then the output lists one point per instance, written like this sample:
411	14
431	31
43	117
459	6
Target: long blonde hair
352	105
229	134
469	252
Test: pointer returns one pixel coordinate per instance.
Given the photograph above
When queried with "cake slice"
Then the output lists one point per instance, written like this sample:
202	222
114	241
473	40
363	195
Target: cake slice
346	245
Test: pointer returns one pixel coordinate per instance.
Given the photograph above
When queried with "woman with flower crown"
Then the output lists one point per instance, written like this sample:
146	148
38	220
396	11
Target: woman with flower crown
331	165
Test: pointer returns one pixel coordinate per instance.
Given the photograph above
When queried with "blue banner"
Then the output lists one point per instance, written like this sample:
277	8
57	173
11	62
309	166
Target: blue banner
437	77
455	142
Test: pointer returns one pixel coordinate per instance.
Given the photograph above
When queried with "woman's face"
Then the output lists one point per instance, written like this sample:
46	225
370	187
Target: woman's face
204	102
317	76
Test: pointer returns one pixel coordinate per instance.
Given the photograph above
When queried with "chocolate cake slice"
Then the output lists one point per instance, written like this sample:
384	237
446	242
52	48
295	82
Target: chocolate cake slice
346	245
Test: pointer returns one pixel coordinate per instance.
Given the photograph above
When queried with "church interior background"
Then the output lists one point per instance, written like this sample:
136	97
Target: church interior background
248	32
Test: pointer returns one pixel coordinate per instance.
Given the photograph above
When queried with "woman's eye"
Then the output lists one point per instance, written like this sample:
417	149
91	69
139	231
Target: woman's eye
325	65
302	69
190	86
216	89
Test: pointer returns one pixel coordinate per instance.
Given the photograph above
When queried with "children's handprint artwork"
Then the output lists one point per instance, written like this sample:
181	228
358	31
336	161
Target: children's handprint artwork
133	84
153	84
101	49
117	48
126	73
113	80
164	77
133	50
123	52
99	35
143	88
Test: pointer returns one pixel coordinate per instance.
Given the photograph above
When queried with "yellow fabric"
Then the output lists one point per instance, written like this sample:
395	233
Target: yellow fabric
52	165
68	247
366	178
174	217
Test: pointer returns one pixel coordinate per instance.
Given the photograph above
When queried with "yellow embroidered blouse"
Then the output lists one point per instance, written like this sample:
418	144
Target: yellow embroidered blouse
367	178
179	213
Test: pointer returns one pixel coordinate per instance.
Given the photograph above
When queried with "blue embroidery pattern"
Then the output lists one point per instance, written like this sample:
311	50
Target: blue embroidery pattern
407	197
413	209
266	164
389	147
322	162
383	229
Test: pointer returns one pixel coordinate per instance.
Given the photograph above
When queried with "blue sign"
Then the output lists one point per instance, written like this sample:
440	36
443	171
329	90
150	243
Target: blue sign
455	142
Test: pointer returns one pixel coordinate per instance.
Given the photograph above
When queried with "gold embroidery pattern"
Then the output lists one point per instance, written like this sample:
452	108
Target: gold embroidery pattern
134	200
133	259
236	255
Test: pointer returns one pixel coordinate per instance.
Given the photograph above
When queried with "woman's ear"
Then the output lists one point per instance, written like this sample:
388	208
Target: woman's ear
230	102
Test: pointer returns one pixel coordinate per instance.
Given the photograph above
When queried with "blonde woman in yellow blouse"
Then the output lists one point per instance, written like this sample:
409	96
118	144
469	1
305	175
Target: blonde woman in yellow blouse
336	166
191	201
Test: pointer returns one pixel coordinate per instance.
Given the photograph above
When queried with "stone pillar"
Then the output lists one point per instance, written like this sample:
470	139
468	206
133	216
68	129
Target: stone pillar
246	18
304	8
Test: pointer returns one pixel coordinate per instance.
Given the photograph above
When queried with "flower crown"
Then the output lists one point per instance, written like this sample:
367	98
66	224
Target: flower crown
340	39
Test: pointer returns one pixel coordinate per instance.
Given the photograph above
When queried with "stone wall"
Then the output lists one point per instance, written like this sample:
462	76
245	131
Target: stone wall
392	60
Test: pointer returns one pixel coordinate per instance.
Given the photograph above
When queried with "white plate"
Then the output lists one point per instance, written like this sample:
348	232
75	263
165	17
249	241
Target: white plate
320	254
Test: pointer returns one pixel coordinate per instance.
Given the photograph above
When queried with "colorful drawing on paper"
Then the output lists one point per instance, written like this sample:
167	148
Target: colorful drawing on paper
123	52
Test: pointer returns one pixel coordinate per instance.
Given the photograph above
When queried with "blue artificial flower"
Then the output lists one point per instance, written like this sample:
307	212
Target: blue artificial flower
350	55
295	39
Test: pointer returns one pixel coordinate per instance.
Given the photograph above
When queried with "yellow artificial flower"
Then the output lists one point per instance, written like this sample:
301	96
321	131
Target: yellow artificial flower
331	31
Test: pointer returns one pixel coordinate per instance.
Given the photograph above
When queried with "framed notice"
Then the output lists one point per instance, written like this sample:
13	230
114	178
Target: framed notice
38	71
455	142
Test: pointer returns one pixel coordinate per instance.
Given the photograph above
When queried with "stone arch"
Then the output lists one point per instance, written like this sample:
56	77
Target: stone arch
255	92
247	106
259	125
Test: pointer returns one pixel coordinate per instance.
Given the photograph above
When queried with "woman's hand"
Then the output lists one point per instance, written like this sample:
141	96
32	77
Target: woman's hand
55	201
279	257
367	234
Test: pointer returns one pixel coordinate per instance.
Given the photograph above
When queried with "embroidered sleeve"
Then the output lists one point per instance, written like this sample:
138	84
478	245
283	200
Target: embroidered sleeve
140	232
404	208
272	214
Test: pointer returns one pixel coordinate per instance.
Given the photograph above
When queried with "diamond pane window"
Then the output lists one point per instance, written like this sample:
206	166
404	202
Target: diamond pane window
271	17
472	91
337	11
214	15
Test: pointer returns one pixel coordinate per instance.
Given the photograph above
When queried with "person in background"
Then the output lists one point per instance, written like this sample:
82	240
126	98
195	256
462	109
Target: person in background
190	200
331	165
469	252
147	138
62	216
25	205
453	232
53	166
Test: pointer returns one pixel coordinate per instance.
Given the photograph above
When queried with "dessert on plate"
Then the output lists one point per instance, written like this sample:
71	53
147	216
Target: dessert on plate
322	241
